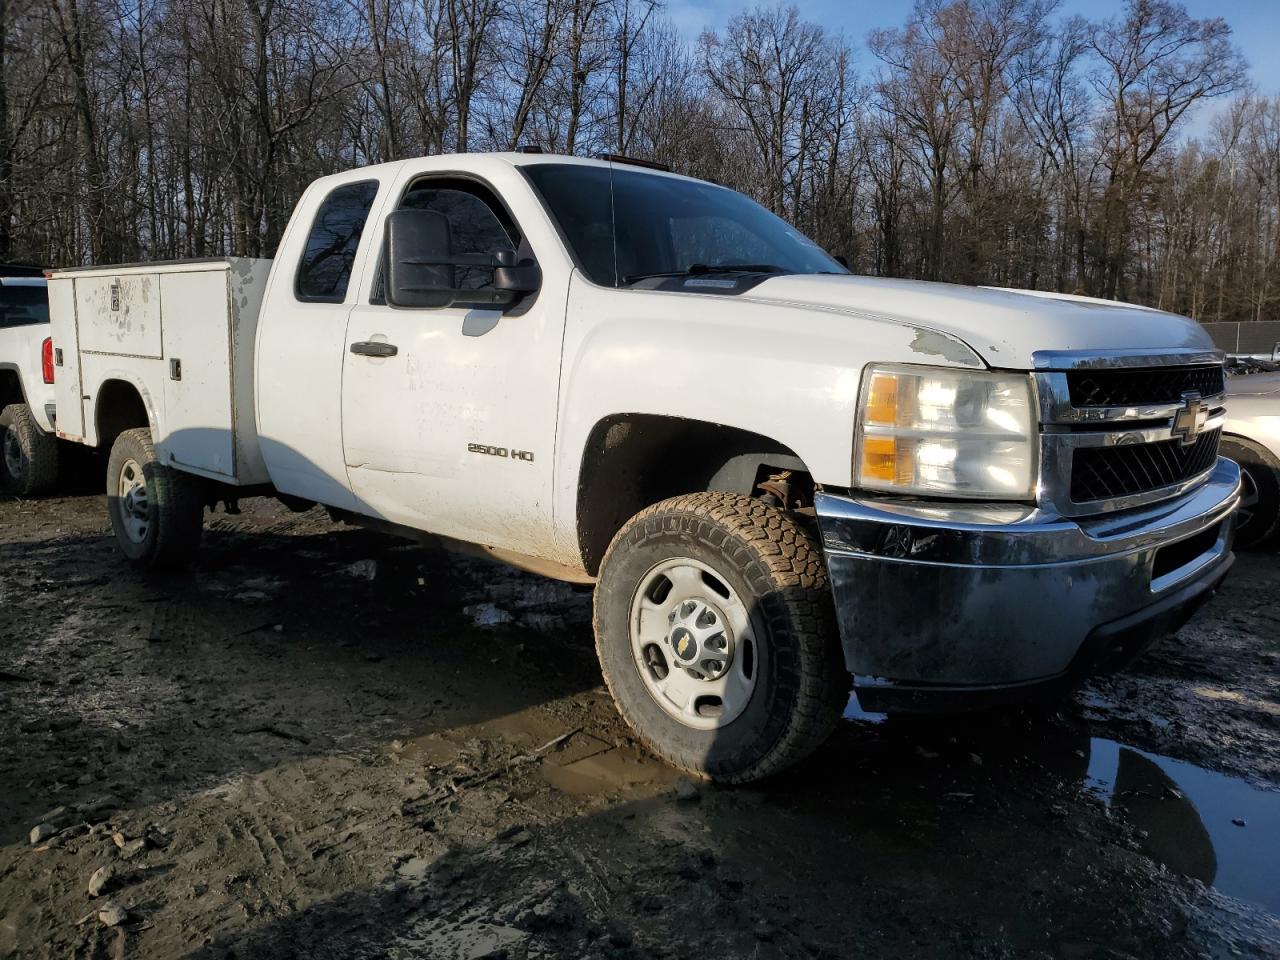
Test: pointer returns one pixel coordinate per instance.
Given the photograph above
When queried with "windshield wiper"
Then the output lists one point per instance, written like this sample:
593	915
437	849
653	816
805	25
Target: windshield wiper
699	269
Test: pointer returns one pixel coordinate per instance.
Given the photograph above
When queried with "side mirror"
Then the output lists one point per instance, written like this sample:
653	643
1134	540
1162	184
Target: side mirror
514	275
422	267
419	247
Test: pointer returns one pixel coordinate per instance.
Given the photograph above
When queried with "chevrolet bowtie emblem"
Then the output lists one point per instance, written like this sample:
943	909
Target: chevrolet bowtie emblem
1190	419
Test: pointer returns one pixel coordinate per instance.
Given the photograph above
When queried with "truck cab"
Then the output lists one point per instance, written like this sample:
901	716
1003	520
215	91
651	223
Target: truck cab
779	476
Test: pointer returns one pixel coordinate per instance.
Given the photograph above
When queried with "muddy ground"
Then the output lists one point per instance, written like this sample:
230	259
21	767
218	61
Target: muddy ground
322	743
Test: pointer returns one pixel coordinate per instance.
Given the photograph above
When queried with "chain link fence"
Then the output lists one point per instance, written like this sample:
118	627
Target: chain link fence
1256	337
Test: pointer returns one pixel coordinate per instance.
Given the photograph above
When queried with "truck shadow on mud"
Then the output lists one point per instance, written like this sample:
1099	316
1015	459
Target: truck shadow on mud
892	844
288	645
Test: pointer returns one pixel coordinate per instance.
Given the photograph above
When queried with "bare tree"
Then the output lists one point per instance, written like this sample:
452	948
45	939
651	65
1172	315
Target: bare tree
993	141
1156	63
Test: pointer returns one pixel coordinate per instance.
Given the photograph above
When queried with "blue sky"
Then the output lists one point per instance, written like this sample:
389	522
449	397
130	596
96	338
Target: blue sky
1255	24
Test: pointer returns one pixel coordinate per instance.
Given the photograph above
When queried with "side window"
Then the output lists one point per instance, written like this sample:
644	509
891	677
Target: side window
326	263
582	201
474	224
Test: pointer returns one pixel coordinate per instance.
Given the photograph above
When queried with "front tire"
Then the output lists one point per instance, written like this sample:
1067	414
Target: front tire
157	513
716	636
28	455
1258	519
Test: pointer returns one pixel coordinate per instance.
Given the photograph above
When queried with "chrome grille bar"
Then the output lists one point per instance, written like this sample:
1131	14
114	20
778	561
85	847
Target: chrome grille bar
1066	428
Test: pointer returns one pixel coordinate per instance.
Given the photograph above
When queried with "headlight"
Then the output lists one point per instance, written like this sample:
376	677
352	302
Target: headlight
936	431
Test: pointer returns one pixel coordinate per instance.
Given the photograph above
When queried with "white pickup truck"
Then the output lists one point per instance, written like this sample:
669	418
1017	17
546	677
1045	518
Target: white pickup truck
777	474
28	447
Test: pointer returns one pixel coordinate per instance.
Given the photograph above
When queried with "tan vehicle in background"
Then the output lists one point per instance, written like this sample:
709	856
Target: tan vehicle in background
1251	437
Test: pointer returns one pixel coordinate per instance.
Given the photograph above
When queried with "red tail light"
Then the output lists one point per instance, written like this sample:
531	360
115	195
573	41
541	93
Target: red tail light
46	359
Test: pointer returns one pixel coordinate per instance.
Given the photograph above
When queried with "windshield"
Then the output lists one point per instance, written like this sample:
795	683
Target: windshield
22	305
623	225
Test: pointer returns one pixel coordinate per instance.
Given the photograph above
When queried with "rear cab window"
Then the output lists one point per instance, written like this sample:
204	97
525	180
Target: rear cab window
23	305
325	269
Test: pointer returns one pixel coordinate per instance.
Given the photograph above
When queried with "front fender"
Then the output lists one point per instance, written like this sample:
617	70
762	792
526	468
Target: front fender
785	372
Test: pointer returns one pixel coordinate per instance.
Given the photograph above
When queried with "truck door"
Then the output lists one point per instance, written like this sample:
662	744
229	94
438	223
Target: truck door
449	419
301	344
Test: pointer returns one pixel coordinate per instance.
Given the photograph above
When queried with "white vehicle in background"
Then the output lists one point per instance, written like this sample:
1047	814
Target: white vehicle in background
1251	437
777	474
28	445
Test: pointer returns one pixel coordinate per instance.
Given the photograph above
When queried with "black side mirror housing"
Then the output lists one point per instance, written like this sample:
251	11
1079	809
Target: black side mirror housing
422	267
514	275
419	247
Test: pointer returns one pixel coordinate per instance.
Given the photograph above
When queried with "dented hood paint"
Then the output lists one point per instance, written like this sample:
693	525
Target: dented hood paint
1004	327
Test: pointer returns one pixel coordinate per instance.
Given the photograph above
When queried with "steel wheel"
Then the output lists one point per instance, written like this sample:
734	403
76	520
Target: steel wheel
135	507
1248	497
15	460
28	455
1258	516
694	644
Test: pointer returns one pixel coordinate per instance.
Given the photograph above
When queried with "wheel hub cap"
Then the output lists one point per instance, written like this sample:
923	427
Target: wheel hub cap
695	644
135	512
700	639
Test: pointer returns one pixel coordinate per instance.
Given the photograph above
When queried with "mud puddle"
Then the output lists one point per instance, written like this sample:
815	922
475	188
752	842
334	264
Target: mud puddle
1217	829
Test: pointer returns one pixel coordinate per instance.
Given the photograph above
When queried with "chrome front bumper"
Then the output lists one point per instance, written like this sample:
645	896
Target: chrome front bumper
938	602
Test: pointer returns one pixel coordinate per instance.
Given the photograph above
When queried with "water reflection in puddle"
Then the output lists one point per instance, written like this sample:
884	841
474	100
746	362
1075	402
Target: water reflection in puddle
853	711
1188	815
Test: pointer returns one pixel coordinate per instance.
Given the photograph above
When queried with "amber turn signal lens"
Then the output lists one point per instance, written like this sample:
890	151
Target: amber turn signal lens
883	458
882	399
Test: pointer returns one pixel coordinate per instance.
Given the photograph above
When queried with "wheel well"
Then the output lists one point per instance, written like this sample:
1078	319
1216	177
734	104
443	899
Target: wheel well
635	460
10	388
1267	455
119	408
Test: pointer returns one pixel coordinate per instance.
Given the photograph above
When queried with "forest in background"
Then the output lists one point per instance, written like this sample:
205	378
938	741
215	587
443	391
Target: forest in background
982	141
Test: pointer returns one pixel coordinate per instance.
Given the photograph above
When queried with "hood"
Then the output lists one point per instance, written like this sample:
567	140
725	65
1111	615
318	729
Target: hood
1004	327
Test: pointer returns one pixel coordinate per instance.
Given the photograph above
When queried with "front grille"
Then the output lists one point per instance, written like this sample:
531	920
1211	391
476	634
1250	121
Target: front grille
1105	473
1143	385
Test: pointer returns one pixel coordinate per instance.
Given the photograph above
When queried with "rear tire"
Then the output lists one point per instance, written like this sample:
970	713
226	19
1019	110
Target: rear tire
1259	516
747	584
28	455
157	513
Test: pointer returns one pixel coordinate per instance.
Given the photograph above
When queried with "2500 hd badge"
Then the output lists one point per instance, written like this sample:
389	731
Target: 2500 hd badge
525	455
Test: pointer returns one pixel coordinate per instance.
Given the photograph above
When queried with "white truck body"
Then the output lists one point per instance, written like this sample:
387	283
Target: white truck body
21	348
28	448
180	334
545	411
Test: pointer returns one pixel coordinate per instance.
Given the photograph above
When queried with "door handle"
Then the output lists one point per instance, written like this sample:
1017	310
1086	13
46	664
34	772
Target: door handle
374	348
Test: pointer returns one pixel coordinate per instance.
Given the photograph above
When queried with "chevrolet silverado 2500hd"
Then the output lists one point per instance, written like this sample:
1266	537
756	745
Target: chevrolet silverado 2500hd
28	447
776	473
